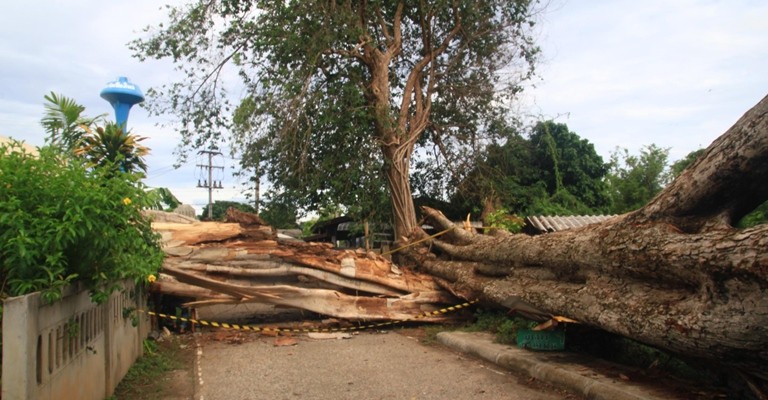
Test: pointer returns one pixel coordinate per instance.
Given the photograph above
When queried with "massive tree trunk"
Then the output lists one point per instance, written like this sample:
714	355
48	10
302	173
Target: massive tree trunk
397	132
675	274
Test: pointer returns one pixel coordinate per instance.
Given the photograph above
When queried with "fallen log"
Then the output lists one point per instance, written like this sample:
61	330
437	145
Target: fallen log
675	274
243	262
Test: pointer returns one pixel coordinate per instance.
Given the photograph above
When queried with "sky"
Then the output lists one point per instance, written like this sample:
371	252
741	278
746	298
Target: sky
619	73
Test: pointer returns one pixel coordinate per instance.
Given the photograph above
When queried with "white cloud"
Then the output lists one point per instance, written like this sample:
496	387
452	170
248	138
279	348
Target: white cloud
620	73
629	73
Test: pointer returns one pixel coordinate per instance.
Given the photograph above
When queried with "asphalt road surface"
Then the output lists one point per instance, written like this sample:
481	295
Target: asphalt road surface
373	366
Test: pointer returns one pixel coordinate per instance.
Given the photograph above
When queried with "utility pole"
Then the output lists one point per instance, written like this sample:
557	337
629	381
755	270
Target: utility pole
257	183
210	184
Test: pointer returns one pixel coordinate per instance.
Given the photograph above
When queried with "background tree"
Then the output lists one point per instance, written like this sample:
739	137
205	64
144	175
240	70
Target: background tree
69	130
552	172
353	86
220	209
633	180
678	166
569	163
280	215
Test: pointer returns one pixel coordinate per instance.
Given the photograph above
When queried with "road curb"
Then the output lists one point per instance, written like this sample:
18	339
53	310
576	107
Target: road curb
555	368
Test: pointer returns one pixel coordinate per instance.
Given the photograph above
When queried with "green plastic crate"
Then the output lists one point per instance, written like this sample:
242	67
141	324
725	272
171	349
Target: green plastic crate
541	340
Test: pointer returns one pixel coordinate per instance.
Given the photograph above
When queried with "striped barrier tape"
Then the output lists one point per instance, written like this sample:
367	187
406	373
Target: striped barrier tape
306	330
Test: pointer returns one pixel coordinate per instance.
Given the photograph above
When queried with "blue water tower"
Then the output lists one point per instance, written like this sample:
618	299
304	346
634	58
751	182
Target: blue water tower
122	95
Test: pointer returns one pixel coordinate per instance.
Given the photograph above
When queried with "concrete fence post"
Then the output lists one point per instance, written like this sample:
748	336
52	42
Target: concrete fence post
19	346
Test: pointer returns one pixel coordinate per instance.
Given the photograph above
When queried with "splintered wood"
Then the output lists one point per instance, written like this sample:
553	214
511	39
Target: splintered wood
245	262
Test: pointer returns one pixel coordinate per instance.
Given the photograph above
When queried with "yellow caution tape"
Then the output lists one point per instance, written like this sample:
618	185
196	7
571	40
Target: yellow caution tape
418	241
307	330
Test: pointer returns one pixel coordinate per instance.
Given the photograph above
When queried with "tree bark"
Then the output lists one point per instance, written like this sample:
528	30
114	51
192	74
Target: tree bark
675	274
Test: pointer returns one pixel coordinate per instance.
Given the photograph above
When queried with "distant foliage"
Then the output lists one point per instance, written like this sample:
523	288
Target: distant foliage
633	180
280	215
678	166
502	219
220	209
61	221
552	172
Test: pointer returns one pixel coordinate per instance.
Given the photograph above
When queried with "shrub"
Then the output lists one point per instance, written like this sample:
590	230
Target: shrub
503	220
61	221
500	324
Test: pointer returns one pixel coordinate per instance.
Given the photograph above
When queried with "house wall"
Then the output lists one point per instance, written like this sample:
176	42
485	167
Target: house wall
73	348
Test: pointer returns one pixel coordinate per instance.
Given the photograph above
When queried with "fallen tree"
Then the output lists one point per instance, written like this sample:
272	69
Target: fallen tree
243	261
674	274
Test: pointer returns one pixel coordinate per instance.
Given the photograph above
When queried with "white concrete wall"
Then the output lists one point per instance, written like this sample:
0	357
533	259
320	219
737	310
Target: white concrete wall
73	348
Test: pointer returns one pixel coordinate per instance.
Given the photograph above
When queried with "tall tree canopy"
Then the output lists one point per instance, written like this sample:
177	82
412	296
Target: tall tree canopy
553	171
568	162
352	87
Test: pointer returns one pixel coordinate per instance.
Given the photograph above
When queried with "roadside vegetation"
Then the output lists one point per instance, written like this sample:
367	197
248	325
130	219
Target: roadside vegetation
165	371
72	213
590	341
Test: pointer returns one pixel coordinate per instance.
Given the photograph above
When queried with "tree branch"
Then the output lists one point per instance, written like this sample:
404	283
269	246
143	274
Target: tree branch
416	72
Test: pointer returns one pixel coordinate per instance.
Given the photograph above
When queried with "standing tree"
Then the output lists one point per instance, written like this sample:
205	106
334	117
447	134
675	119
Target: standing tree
569	163
351	86
109	146
634	180
552	172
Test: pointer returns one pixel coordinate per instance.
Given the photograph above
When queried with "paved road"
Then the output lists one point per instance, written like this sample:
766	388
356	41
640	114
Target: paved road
368	366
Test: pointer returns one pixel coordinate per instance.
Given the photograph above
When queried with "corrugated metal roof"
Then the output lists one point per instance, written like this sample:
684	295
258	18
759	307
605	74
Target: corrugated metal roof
544	224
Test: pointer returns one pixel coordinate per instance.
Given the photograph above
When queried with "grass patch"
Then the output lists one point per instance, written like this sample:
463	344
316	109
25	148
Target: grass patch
430	333
500	324
154	374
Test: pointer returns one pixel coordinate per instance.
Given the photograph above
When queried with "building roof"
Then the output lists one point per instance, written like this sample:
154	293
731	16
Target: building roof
546	224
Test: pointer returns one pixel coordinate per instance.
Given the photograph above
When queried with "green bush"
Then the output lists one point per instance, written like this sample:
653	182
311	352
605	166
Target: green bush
500	324
502	219
61	221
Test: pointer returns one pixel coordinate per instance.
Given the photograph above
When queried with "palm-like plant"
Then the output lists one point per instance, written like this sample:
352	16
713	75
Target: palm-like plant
110	146
63	121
